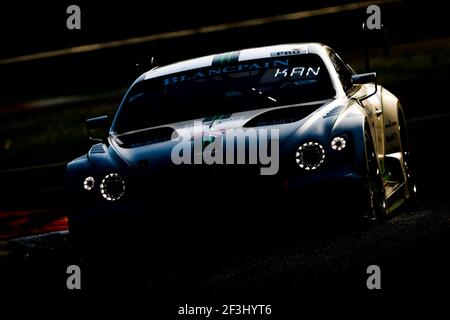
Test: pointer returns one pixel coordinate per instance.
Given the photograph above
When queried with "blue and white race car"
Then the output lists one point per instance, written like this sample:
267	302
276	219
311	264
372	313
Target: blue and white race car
227	134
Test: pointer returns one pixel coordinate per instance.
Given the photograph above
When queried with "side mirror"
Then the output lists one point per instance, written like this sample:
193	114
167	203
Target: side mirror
365	78
97	128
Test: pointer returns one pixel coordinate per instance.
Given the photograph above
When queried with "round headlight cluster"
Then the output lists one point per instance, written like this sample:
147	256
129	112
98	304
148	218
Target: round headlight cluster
338	143
112	187
89	183
310	155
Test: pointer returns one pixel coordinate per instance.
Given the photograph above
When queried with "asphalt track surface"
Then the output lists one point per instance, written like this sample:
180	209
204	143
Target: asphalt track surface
324	265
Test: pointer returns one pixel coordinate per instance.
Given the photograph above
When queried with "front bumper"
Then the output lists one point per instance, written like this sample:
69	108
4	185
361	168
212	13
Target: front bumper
206	205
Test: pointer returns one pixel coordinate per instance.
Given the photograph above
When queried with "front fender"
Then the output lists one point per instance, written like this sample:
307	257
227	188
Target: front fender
353	122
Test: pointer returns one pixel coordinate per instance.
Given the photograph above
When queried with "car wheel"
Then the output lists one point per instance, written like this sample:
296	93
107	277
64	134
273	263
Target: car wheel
407	161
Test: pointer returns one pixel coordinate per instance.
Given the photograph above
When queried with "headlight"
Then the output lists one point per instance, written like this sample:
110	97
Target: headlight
338	143
112	187
89	183
310	155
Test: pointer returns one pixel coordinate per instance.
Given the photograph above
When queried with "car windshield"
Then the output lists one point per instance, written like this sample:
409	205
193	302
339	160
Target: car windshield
223	90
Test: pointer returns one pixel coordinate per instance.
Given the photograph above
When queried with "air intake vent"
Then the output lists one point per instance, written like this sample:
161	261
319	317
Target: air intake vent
333	112
97	148
143	138
282	115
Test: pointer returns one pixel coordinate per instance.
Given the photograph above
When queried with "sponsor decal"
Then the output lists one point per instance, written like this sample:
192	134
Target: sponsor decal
226	58
281	68
214	71
390	124
292	52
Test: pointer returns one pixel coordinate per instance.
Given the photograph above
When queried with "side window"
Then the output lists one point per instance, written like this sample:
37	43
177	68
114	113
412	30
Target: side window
345	75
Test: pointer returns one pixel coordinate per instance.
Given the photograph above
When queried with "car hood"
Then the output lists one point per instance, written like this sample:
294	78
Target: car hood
152	148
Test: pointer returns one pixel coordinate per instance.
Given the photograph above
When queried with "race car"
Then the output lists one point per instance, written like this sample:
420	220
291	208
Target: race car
309	128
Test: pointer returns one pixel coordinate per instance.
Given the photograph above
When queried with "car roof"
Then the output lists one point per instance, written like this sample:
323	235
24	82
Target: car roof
234	56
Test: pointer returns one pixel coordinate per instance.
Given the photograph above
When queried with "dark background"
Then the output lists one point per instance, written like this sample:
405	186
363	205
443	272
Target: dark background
44	102
93	82
41	26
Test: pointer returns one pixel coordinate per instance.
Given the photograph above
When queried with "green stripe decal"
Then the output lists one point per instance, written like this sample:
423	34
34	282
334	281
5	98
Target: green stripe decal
225	58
